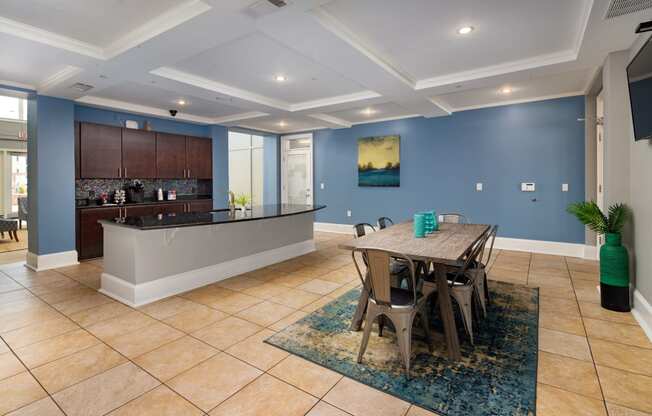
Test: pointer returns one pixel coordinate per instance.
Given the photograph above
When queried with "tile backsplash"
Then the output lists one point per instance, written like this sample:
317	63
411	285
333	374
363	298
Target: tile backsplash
92	188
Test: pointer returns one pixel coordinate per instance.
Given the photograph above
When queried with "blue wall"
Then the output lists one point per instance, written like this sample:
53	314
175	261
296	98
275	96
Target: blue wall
443	158
220	135
51	169
271	172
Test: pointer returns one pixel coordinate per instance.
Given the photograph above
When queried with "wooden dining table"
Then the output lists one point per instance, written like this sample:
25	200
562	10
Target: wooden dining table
444	247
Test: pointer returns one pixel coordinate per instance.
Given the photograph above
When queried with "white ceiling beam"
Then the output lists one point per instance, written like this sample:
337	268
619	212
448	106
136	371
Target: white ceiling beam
332	121
58	78
239	117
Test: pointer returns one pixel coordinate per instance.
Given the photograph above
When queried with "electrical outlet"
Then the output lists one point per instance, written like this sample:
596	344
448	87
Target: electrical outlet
478	186
321	185
348	212
564	187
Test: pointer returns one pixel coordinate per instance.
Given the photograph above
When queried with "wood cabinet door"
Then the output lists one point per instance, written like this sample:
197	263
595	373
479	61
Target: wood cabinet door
139	211
77	155
91	236
100	149
171	208
200	158
204	205
138	154
170	156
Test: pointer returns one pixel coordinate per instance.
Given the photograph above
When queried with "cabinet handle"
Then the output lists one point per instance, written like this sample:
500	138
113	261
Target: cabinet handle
125	172
189	173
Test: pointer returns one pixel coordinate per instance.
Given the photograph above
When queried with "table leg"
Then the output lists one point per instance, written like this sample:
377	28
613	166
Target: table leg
447	314
358	316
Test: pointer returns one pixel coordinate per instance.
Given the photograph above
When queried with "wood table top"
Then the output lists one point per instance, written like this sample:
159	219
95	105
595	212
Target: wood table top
447	245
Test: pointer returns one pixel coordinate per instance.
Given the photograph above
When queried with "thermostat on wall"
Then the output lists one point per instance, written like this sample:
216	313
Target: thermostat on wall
527	186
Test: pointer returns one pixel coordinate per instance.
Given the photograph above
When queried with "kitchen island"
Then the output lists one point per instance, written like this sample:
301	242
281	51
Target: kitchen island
147	258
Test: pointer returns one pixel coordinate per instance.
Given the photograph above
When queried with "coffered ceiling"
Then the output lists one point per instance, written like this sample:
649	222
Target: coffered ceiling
311	64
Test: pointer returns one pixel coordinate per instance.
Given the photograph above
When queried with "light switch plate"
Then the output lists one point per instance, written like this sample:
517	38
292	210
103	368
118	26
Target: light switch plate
348	212
478	186
564	187
321	185
528	187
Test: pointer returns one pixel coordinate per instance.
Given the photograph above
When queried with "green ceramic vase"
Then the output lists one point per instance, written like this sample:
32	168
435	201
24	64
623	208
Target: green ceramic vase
614	274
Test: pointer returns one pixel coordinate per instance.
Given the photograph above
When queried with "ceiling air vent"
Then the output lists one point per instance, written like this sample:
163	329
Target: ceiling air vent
623	7
264	7
81	87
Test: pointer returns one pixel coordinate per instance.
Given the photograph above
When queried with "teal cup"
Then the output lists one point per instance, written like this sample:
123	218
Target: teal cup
430	221
419	226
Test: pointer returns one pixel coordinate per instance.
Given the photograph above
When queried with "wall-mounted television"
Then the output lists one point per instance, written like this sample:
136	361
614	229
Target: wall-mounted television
639	76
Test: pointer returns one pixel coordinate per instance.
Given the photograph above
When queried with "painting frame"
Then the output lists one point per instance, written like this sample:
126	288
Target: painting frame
379	161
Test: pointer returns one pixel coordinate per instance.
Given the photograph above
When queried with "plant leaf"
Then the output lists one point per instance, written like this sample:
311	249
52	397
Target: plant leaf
618	215
590	215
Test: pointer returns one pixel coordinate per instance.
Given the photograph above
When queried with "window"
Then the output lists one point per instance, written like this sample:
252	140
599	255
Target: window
246	166
12	108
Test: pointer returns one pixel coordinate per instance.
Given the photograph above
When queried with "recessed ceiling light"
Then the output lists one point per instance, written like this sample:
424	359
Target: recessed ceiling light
506	90
282	123
181	102
280	78
368	111
465	30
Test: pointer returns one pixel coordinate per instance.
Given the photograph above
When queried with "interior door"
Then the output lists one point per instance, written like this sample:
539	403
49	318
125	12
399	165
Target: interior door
600	157
296	169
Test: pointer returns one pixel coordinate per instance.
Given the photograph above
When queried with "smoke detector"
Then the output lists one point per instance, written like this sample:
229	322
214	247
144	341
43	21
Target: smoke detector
81	87
623	7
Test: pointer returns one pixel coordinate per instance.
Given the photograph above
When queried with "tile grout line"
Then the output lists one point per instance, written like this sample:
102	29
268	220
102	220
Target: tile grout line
595	367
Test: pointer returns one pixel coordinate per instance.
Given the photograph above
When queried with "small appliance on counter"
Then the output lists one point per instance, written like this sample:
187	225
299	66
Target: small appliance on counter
159	194
136	192
172	195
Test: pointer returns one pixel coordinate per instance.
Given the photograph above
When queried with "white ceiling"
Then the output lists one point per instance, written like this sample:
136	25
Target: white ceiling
399	58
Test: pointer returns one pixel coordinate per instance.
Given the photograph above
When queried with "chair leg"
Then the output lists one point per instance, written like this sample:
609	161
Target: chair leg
381	325
16	236
479	292
20	224
425	322
369	321
403	324
464	301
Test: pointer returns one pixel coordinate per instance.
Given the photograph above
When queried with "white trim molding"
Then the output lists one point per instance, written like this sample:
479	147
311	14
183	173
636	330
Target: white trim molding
136	295
502	243
42	262
642	312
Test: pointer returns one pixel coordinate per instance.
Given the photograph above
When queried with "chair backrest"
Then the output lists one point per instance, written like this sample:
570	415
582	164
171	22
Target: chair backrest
453	218
378	282
471	258
384	222
22	205
360	229
492	237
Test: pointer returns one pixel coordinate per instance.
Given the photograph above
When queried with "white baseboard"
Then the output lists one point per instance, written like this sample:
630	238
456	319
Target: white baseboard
642	311
541	247
329	227
502	243
51	261
142	294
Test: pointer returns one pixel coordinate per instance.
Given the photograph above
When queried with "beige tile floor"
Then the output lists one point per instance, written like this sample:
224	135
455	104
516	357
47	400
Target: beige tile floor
67	349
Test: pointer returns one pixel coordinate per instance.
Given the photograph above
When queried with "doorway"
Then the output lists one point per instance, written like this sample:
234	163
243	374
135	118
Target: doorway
296	169
246	166
599	137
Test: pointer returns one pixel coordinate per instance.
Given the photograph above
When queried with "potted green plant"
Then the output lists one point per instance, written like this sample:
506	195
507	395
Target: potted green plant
241	201
614	260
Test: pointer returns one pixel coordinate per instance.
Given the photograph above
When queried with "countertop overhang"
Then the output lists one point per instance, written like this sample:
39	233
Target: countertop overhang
220	216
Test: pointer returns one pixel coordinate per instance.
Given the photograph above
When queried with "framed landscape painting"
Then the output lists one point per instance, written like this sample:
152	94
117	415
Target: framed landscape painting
379	161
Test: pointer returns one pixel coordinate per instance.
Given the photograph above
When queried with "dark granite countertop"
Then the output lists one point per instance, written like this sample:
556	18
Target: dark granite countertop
221	216
147	201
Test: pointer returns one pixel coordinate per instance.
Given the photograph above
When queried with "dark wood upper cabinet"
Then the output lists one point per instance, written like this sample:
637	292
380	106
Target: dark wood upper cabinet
100	150
170	156
200	158
138	154
77	155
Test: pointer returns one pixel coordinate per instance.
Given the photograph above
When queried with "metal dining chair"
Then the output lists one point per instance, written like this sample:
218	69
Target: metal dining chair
453	218
384	222
360	230
482	285
400	306
462	284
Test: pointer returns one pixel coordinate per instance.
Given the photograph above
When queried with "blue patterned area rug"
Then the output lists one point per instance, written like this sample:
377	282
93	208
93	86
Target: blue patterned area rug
497	376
